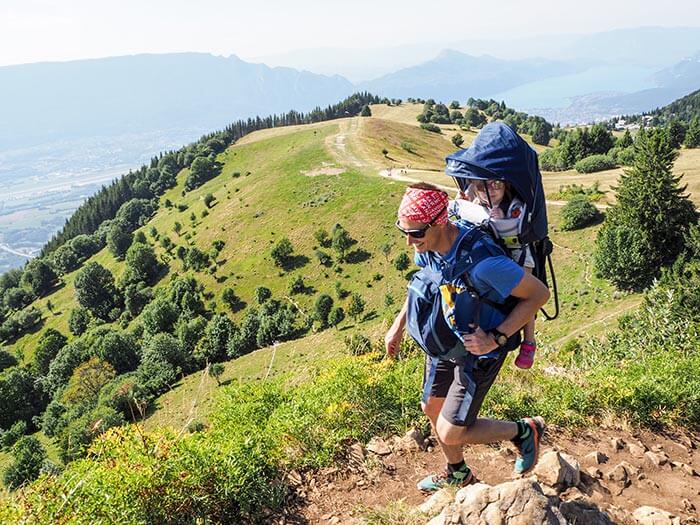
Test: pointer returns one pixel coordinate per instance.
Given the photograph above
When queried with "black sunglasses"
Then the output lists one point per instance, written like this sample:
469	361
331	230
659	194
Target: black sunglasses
419	233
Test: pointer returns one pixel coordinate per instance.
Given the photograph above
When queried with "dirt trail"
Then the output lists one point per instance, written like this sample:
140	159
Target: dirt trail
342	496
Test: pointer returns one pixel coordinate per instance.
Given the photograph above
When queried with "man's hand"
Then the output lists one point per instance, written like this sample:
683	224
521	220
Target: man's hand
479	342
392	340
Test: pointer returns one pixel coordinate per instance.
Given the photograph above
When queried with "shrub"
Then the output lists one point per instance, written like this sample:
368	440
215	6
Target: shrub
296	285
20	399
164	347
595	163
579	212
357	344
408	146
159	316
357	306
79	320
262	294
401	262
322	308
38	277
50	342
281	252
569	191
10	436
6	359
28	457
551	160
215	371
431	127
323	258
231	300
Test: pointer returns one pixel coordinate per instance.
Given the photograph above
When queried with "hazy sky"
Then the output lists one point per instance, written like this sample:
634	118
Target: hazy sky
39	30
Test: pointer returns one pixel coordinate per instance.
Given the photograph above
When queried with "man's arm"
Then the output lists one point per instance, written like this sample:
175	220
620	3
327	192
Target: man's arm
392	339
533	294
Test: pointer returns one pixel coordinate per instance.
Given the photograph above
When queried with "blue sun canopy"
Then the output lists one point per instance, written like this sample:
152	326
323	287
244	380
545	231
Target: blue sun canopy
498	152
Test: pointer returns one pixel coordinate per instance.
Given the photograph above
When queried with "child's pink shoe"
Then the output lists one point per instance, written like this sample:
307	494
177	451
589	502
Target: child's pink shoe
526	356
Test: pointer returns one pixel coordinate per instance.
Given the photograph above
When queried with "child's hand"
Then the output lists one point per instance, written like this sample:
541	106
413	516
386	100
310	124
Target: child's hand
496	213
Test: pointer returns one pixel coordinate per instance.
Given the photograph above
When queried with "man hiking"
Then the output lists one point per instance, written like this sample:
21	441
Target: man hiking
454	385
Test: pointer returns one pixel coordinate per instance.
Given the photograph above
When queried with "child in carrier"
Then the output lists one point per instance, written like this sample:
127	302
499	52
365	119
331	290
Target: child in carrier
493	202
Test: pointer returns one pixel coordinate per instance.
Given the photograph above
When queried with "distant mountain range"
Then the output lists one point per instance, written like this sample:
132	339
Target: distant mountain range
454	75
131	94
574	78
671	83
646	47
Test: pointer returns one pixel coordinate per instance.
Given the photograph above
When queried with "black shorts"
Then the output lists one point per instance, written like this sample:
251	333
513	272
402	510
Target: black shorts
446	379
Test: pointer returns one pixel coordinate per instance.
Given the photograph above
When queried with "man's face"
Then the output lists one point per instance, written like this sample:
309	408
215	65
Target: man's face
425	243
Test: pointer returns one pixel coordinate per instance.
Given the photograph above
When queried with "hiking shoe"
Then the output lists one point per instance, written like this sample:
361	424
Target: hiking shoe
529	447
458	478
526	356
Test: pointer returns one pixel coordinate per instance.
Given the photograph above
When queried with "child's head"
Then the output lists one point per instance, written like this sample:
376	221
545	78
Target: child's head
497	191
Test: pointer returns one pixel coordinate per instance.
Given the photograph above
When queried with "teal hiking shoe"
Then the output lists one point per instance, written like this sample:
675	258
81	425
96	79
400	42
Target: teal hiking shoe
529	446
458	478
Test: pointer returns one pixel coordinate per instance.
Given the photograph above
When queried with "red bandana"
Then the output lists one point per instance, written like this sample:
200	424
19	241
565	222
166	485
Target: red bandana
422	205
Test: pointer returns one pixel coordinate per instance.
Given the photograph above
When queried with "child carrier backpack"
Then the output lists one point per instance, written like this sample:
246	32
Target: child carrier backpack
500	153
425	320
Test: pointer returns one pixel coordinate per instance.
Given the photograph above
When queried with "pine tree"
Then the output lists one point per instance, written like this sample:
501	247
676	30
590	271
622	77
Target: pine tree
644	231
692	136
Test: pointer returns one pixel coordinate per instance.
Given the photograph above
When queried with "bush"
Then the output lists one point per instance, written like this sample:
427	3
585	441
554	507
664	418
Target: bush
551	160
281	252
233	468
401	262
79	320
20	398
595	163
28	457
578	213
323	258
10	436
164	347
262	294
431	127
50	342
357	344
6	359
159	316
296	285
322	308
408	146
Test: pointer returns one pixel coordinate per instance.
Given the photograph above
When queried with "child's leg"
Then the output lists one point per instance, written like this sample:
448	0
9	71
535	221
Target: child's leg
529	329
526	356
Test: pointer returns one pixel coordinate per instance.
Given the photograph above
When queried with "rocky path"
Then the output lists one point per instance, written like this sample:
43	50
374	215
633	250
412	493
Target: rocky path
606	476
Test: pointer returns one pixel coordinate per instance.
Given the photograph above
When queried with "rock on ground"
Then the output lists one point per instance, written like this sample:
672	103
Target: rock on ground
652	516
558	470
519	502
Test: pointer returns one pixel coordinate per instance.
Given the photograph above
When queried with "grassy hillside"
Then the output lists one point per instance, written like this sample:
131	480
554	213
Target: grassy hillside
687	165
289	183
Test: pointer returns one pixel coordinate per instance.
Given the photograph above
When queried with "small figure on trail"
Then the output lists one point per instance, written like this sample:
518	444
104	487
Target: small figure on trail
465	308
505	215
